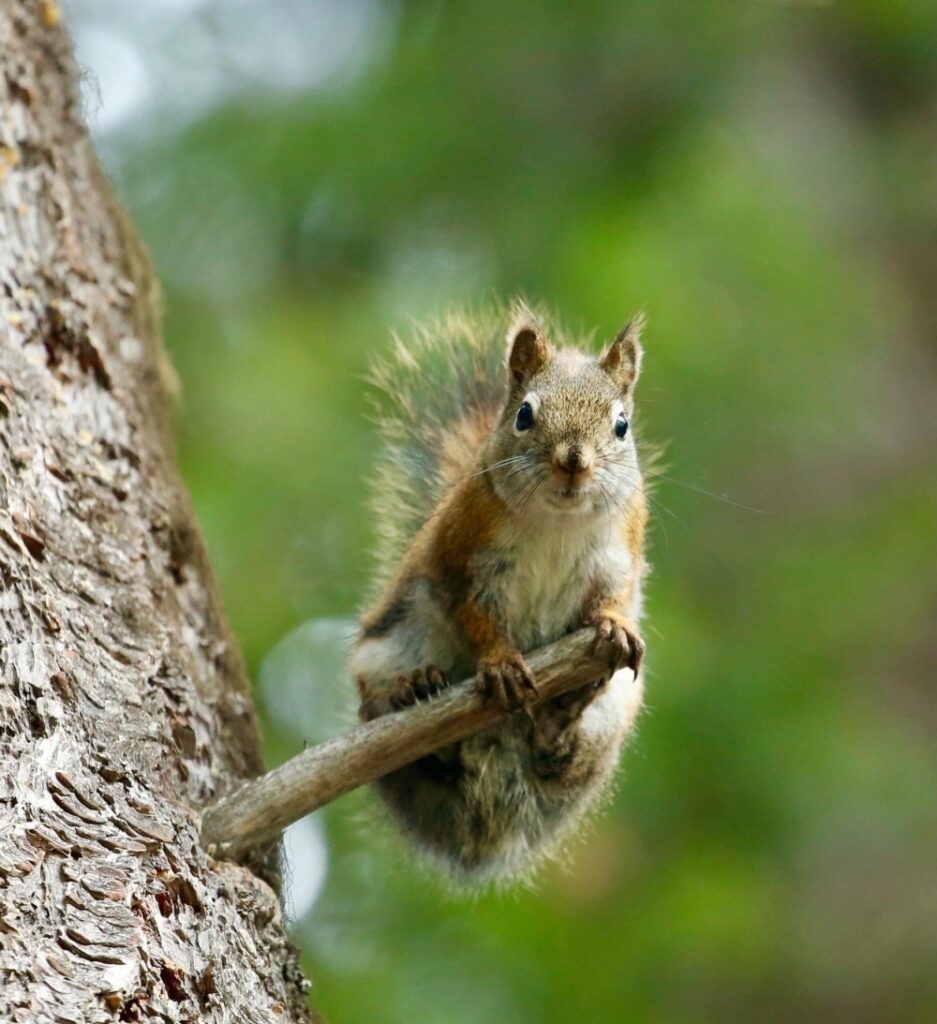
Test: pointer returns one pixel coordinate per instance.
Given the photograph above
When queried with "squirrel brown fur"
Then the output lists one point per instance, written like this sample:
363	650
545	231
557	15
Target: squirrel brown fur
511	511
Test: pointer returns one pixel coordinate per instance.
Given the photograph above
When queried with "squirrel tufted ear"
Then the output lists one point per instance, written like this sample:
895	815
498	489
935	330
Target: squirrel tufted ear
528	349
622	359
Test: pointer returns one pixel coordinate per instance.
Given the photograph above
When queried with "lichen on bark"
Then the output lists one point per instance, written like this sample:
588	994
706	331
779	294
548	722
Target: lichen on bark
124	704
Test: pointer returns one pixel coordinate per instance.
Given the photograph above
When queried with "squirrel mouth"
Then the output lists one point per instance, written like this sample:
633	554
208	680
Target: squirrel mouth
567	495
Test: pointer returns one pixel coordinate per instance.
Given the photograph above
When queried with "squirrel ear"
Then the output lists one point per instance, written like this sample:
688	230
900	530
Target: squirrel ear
528	349
622	359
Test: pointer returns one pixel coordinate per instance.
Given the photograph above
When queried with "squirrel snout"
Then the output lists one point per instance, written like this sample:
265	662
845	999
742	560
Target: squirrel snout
572	459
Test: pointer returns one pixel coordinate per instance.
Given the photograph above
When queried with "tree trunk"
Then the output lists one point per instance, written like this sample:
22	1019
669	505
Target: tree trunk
123	699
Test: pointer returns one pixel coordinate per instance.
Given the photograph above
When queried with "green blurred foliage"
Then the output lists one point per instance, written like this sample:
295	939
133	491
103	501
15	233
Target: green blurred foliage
757	176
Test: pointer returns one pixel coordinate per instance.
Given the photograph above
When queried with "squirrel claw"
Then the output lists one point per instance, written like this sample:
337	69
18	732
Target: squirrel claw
623	647
420	684
506	682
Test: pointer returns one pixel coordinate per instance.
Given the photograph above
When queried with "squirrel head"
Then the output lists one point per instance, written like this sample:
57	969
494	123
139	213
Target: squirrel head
563	442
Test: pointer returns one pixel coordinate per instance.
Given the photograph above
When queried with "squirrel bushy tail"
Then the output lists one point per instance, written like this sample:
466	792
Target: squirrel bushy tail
439	393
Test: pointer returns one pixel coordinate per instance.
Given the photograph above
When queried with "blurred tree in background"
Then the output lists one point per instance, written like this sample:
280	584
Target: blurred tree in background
759	177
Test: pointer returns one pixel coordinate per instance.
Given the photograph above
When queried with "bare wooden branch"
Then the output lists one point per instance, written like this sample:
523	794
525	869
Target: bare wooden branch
262	807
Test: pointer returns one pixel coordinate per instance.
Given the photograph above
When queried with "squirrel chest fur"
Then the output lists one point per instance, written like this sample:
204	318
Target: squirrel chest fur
512	512
544	579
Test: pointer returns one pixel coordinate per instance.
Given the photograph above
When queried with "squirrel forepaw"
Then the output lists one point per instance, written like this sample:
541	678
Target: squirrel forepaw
615	638
506	681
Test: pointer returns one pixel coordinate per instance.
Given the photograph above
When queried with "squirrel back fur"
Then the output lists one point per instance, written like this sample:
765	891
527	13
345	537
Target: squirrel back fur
438	395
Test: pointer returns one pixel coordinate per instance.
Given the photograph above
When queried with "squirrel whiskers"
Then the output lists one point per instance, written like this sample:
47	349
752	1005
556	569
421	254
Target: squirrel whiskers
511	511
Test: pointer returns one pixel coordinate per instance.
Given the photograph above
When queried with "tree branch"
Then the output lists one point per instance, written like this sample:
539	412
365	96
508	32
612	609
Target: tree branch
262	807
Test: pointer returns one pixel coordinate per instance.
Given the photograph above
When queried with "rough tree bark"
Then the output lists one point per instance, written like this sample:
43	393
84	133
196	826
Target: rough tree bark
123	701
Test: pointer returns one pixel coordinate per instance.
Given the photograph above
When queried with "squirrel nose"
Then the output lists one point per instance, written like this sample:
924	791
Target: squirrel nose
572	458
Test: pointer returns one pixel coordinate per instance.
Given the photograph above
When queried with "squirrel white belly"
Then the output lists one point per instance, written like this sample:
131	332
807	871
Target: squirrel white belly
512	511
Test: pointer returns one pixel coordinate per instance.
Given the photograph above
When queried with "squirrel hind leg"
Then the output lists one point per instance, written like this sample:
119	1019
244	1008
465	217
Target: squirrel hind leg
382	664
409	688
577	736
553	733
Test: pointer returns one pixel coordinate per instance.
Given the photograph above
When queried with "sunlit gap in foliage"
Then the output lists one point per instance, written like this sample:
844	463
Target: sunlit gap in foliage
307	694
158	65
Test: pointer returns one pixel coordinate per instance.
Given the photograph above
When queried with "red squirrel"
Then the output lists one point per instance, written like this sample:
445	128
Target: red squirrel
511	511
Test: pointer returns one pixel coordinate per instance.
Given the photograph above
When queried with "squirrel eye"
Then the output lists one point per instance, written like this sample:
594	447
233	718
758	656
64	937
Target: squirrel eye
525	417
621	426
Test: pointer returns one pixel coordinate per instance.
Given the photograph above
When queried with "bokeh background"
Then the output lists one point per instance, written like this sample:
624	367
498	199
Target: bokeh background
310	174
